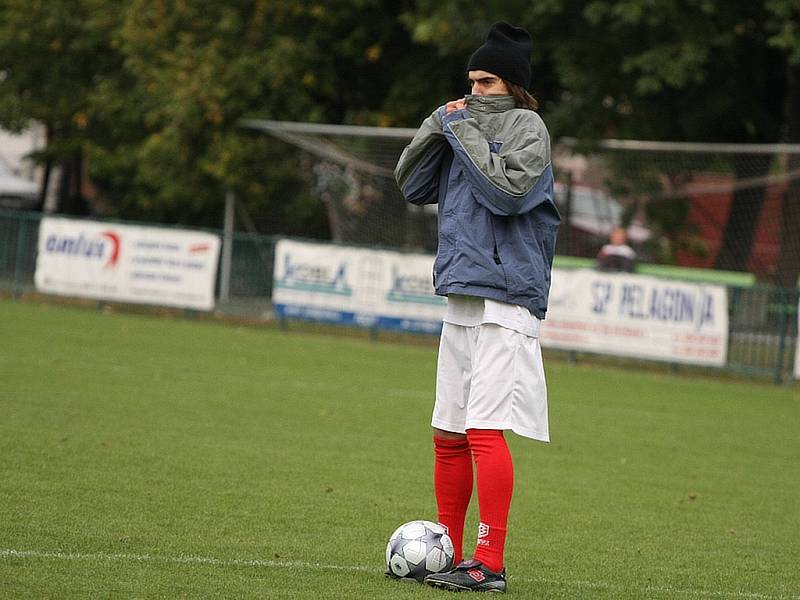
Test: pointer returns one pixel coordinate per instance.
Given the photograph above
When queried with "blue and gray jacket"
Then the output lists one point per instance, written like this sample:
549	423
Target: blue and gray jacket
488	167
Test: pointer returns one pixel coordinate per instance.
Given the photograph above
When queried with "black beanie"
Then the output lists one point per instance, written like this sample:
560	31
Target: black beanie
506	53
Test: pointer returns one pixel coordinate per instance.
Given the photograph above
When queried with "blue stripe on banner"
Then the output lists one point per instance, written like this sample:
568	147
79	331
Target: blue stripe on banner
415	325
326	315
311	313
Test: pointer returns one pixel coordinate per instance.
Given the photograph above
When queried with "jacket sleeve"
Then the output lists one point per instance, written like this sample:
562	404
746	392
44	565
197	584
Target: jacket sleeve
512	181
417	171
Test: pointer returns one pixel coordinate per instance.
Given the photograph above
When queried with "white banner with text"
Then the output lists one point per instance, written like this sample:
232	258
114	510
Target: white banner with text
607	313
637	316
797	347
126	263
356	286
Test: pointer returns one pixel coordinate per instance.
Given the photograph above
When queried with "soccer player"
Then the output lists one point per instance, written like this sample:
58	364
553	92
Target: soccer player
485	159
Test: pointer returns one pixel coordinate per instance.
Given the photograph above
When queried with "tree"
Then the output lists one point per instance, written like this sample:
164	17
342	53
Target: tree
146	95
785	28
704	70
152	91
51	56
161	129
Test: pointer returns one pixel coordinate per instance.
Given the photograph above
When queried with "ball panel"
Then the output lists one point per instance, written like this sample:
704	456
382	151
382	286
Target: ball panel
434	527
399	566
397	533
436	560
414	551
413	530
447	545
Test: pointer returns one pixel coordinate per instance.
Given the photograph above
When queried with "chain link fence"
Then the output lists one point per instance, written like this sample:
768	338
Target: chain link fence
717	213
762	318
724	208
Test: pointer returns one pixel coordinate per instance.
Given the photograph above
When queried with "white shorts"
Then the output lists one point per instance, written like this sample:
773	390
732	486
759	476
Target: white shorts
490	377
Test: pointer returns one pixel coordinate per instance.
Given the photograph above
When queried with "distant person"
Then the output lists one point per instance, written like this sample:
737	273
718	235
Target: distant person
485	159
617	255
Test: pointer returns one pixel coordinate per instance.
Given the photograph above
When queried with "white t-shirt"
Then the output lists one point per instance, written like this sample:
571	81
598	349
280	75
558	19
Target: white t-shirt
622	250
471	311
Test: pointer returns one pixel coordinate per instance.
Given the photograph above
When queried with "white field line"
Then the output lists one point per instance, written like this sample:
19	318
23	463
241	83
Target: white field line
291	564
183	559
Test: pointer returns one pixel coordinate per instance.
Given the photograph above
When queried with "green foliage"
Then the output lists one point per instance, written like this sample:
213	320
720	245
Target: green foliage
643	69
151	90
52	54
193	71
702	70
783	27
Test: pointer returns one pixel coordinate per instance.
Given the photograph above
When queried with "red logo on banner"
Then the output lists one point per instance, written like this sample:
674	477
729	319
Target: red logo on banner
114	239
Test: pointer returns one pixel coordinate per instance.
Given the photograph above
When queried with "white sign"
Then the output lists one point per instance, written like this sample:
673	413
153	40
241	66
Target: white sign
146	265
608	313
797	348
638	316
370	288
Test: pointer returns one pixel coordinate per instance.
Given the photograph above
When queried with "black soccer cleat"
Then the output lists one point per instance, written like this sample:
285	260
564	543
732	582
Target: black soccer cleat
470	576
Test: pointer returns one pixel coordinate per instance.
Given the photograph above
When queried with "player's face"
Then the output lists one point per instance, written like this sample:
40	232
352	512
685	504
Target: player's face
484	83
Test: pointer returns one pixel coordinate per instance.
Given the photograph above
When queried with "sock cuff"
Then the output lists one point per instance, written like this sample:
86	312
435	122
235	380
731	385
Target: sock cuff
450	444
484	434
485	440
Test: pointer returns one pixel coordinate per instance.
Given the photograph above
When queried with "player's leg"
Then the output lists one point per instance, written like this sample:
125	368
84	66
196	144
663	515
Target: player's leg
495	474
495	478
489	412
452	473
452	482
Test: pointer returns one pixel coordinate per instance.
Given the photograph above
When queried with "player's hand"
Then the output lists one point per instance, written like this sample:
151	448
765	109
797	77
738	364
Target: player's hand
455	105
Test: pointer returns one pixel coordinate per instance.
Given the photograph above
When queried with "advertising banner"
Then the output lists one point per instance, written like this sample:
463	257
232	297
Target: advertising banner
797	348
124	263
637	316
607	313
370	288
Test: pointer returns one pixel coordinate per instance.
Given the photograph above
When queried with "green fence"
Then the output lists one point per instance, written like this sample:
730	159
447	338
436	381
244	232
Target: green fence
762	319
19	234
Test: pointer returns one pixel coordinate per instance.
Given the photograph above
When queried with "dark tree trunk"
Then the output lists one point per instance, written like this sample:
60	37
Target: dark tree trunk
70	196
740	229
789	259
48	168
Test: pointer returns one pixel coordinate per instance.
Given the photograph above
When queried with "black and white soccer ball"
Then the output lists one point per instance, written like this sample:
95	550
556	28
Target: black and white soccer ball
419	548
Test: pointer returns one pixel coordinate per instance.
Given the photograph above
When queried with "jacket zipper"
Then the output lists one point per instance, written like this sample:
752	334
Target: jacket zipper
497	260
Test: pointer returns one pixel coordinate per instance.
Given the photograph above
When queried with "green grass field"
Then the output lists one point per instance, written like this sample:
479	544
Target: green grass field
148	457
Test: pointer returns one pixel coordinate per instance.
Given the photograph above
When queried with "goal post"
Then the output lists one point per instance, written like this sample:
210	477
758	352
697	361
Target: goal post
733	207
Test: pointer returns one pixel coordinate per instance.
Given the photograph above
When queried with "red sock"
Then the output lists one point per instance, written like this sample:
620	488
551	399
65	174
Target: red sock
452	482
495	475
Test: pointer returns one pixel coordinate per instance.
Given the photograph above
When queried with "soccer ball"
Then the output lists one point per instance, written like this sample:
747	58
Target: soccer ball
419	548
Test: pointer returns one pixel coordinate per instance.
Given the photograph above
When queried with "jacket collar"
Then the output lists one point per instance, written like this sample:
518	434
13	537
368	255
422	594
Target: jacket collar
489	104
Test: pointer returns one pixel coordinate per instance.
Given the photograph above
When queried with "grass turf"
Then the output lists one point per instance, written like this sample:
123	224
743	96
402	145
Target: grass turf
146	457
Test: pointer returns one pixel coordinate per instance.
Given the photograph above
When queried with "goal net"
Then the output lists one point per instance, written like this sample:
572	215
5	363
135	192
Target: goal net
715	206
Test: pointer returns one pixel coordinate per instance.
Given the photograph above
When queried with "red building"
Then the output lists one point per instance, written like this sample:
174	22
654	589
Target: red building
711	197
